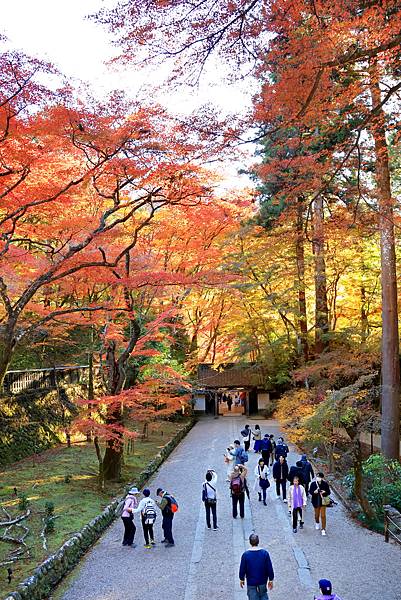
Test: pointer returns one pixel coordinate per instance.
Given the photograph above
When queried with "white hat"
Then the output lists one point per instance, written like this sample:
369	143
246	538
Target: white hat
133	491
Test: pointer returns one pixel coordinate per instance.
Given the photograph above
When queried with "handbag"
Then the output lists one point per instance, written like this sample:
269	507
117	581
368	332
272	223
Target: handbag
326	500
263	482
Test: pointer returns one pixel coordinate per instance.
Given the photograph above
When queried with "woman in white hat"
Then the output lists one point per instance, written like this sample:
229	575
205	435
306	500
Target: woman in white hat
127	516
229	460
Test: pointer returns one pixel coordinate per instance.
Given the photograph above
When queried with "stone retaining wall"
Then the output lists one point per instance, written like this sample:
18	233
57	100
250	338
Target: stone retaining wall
47	575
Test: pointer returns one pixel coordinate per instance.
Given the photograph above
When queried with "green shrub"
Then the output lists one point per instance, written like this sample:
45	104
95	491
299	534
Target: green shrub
382	482
23	502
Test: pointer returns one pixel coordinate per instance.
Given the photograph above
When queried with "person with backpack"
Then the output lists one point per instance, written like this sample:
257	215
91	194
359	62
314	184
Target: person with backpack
238	487
209	498
240	455
326	591
280	474
147	509
168	506
127	517
296	502
266	449
262	482
296	471
257	569
307	472
281	449
246	434
320	497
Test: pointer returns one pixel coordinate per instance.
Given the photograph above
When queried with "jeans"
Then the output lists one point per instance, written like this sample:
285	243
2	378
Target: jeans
129	530
241	500
257	592
262	491
295	513
167	526
283	484
211	507
147	532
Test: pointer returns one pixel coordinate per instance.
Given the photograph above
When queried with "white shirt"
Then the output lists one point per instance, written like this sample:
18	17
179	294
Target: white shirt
209	485
145	502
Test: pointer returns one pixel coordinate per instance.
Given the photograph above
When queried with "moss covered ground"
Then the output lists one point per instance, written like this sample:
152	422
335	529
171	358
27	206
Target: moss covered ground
67	477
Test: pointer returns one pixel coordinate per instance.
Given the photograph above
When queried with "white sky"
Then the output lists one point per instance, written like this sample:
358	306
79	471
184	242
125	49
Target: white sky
57	31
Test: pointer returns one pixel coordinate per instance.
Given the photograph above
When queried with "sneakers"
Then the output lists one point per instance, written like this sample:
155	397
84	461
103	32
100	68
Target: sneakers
147	546
264	502
164	541
323	532
294	530
317	526
153	543
285	500
215	528
301	525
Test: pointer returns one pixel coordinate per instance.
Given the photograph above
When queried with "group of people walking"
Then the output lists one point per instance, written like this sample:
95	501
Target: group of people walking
256	569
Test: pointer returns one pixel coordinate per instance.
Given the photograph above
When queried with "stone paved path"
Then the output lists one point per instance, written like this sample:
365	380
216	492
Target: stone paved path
204	563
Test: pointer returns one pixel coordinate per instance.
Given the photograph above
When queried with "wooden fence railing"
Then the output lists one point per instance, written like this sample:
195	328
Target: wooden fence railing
392	524
19	381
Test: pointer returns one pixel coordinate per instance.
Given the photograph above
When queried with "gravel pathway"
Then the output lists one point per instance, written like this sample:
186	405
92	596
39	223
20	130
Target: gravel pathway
204	563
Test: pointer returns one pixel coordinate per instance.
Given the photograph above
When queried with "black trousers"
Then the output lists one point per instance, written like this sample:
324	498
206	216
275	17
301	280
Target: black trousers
147	532
295	513
211	508
262	491
283	484
241	501
246	445
129	531
266	456
167	526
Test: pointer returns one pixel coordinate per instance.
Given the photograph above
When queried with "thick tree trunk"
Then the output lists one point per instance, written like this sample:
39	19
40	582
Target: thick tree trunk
390	399
358	473
300	257
321	308
7	351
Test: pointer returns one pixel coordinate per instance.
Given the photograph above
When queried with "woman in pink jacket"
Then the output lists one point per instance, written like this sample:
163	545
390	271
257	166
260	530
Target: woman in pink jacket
128	517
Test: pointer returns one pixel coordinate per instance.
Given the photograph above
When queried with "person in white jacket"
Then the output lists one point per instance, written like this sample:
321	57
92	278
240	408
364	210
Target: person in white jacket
296	502
147	509
262	482
229	460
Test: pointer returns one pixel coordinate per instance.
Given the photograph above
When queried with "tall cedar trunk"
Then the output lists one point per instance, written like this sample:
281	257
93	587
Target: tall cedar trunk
390	397
321	309
364	316
300	256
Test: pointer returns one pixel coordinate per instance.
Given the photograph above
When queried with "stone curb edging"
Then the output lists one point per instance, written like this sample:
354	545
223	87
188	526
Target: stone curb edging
48	574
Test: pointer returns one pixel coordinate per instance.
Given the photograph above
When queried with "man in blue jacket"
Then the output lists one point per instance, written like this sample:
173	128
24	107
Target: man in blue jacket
257	569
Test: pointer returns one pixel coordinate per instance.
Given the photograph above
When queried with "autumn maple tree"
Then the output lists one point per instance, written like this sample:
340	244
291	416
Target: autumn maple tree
329	73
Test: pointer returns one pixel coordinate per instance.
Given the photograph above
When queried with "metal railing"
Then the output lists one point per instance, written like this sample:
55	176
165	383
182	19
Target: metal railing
392	524
16	382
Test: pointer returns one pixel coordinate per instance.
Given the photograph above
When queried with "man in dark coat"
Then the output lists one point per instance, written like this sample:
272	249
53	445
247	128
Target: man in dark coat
296	471
280	474
307	472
